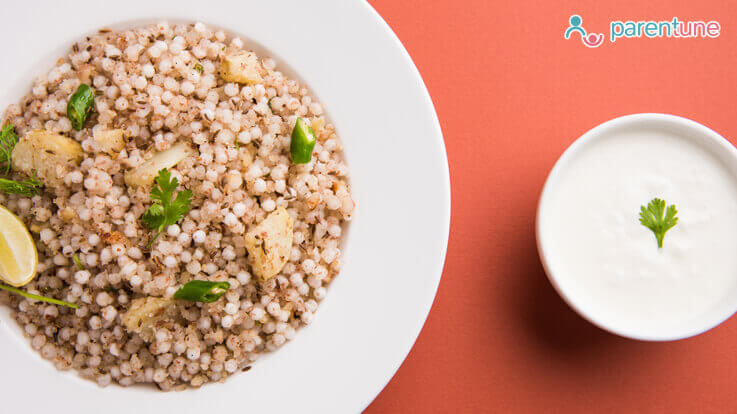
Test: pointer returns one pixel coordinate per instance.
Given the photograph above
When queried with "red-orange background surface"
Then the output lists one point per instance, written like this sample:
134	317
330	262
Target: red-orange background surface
511	95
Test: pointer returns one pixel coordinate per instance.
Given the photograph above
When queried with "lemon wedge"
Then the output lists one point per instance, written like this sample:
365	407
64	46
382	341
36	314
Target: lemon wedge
18	255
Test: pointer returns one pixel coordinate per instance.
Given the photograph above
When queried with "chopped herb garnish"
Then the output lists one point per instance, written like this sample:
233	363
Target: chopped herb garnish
77	262
167	209
269	104
658	219
37	297
8	139
198	67
28	188
202	291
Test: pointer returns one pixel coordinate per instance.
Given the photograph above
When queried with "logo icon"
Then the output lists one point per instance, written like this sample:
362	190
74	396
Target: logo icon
590	39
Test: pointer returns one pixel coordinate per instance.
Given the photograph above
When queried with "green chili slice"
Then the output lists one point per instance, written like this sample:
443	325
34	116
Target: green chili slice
303	142
202	291
80	106
37	297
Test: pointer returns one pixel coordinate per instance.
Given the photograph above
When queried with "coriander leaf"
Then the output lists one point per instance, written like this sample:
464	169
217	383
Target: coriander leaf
154	216
28	188
180	207
164	187
658	218
166	209
8	139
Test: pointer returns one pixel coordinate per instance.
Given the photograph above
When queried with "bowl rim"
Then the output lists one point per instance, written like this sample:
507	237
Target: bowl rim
704	137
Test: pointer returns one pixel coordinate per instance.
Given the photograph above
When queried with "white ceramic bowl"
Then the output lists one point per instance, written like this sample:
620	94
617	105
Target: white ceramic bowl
696	133
396	243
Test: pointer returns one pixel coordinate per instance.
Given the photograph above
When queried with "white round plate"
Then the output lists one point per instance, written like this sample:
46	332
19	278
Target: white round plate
396	244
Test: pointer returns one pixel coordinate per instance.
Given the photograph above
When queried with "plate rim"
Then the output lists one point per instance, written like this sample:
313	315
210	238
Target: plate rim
440	168
446	189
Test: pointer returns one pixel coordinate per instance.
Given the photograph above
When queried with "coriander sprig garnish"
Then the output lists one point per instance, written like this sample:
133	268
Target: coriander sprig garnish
166	209
8	139
658	219
38	297
28	188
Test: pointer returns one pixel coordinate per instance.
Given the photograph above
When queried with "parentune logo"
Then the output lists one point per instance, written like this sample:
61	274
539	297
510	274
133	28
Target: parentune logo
588	40
673	28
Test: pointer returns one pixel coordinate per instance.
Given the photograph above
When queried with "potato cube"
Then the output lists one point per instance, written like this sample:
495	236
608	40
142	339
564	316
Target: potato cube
49	155
241	67
111	141
148	313
269	244
146	173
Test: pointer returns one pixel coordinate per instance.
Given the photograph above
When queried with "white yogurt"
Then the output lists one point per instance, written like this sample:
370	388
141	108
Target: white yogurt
606	264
